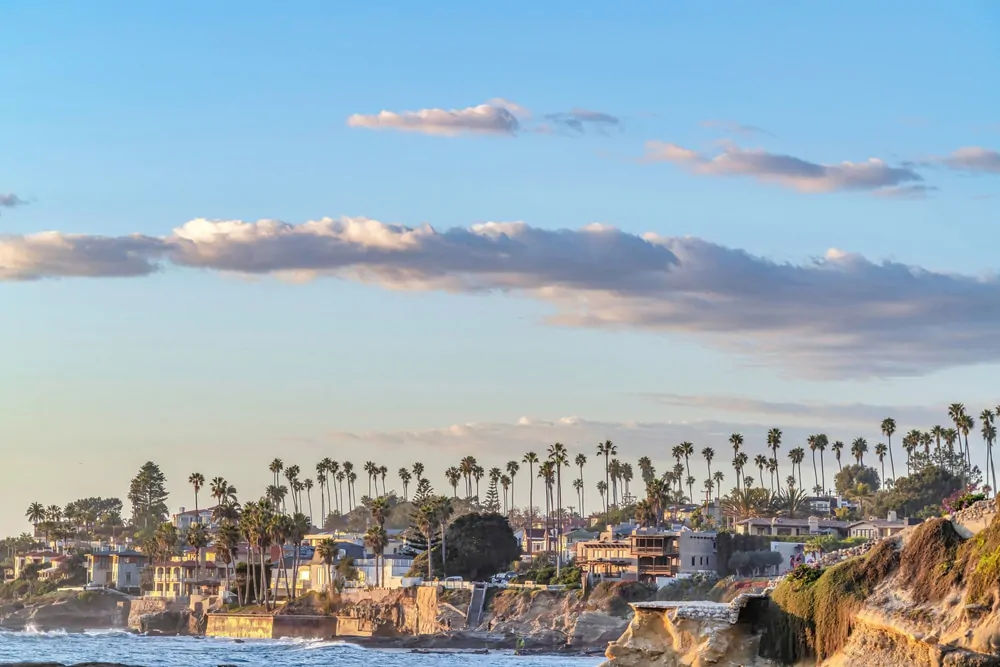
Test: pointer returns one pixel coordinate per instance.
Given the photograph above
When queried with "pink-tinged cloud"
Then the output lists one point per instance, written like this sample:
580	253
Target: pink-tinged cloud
872	175
837	315
495	118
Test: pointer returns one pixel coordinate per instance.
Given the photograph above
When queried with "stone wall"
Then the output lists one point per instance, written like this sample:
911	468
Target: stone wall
260	626
975	517
240	626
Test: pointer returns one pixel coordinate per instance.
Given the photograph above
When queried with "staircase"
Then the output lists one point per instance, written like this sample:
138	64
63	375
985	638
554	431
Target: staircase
475	614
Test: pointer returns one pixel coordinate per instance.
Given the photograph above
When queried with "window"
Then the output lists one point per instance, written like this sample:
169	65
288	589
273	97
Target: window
128	577
692	561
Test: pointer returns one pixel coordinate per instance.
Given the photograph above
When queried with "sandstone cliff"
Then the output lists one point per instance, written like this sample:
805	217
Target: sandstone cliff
73	612
557	618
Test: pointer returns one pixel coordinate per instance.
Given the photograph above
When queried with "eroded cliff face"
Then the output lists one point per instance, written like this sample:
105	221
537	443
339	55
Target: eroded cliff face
555	618
664	638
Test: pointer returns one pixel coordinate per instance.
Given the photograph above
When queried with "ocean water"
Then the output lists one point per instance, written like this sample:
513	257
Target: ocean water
129	649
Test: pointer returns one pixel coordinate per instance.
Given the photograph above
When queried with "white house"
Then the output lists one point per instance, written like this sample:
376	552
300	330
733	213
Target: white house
183	519
393	569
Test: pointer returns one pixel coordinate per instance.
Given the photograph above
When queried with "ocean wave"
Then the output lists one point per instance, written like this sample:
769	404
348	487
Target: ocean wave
32	629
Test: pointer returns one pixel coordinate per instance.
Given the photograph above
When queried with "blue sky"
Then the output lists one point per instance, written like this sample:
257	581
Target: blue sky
135	119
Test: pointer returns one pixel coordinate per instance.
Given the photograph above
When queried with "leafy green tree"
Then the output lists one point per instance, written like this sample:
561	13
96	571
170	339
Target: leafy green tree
479	546
148	495
922	489
849	477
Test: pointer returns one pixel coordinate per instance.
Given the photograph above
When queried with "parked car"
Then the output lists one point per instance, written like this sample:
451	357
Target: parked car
454	579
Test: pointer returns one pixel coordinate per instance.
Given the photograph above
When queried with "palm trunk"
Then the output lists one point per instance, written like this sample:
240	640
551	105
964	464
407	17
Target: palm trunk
607	481
295	571
263	580
281	574
531	505
892	464
444	551
559	519
249	576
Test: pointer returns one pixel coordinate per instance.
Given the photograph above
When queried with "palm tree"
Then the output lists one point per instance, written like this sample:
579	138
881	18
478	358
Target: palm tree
418	471
197	537
880	451
602	488
468	466
708	454
606	449
560	458
276	467
967	425
989	432
505	485
547	473
478	473
580	461
888	428
307	484
227	541
371	470
615	470
774	442
956	411
426	522
376	539
512	469
384	470
938	432
858	450
443	511
718	477
35	514
761	462
795	455
687	449
531	459
321	482
821	444
813	442
739	461
327	550
454	476
736	440
645	468
197	480
772	467
351	476
405	477
333	469
578	487
837	448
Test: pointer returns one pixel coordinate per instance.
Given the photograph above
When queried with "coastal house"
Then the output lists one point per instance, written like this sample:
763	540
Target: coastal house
118	567
185	518
182	579
602	559
391	569
319	572
878	528
781	527
669	554
533	540
37	558
573	536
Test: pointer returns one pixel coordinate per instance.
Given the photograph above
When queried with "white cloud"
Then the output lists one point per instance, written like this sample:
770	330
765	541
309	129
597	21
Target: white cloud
838	315
498	116
495	118
791	172
11	200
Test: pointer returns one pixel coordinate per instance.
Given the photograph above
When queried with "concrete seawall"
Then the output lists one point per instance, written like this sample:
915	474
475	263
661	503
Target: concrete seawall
258	626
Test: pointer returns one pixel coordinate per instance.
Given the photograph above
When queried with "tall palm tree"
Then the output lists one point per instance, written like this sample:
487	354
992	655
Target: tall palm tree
772	468
276	467
443	511
581	460
813	442
307	484
736	440
967	424
989	432
405	477
512	469
454	476
468	466
888	428
645	468
371	470
477	474
938	432
376	539
227	541
333	468
822	442
321	482
708	454
505	486
739	461
795	455
774	442
837	448
880	451
418	471
560	458
615	468
578	487
956	411
198	538
197	480
687	449
383	471
35	514
859	447
719	476
328	551
531	459
339	479
761	462
607	449
602	489
547	473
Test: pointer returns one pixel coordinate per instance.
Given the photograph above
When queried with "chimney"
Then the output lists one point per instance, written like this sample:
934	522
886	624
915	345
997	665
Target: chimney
182	511
892	515
813	524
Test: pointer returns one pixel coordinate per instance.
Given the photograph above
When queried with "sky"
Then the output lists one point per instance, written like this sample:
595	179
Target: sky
396	233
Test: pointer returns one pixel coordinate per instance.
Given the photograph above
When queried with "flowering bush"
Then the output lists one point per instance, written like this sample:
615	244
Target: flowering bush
962	499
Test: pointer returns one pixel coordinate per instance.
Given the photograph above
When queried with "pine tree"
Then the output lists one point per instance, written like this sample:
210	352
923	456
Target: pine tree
423	492
148	495
492	503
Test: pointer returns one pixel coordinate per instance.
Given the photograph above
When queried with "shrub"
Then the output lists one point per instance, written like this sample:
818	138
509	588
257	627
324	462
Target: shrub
961	499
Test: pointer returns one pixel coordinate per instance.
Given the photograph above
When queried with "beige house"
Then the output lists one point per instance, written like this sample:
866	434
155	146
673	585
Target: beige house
874	529
778	527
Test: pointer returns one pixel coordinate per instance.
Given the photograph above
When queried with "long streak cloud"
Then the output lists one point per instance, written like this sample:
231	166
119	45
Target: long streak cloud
835	315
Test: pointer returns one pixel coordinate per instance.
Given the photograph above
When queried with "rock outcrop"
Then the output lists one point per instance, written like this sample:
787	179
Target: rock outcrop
92	610
684	637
